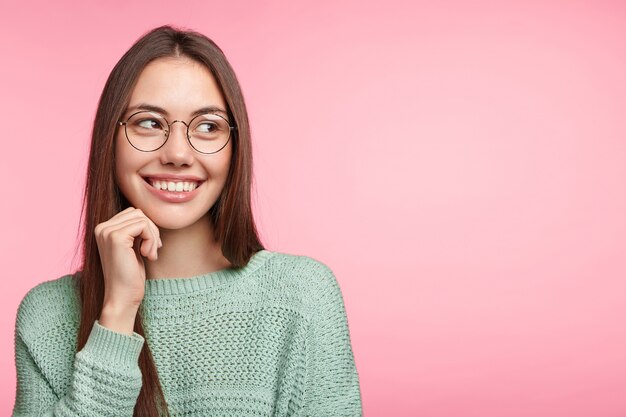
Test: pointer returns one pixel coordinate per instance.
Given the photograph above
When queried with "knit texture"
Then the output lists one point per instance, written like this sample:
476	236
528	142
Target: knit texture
268	339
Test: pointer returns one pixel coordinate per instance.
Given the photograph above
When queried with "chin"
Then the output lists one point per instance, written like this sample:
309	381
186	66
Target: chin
173	221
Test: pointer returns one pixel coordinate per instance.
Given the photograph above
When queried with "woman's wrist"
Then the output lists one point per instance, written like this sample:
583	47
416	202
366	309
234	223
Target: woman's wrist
120	319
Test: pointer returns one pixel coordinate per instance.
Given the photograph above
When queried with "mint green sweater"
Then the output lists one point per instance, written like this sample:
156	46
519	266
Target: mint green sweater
268	339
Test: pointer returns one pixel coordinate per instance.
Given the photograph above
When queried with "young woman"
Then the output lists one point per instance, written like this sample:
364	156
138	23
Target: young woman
178	308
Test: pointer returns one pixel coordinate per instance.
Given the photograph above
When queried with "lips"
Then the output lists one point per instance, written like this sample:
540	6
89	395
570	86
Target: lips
173	185
173	196
173	182
173	177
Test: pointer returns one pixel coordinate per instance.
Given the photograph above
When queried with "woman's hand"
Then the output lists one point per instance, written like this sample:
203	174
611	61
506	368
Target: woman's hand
122	241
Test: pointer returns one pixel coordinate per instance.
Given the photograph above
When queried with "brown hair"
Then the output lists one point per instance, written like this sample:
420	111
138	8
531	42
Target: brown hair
231	214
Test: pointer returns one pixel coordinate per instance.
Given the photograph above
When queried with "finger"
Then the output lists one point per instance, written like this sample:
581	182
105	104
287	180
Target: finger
155	228
137	213
123	219
137	249
127	232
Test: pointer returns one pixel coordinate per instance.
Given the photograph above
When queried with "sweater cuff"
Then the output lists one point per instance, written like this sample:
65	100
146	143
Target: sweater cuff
110	347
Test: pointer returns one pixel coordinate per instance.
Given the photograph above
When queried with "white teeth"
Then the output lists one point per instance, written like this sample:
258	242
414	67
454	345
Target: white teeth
174	186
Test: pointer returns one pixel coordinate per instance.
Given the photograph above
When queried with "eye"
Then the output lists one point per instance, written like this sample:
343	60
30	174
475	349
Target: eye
206	127
148	124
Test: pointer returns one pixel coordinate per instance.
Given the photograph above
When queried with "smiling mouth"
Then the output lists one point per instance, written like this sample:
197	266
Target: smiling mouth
173	186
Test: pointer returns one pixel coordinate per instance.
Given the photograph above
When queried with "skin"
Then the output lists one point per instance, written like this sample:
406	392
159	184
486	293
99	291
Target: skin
179	86
153	238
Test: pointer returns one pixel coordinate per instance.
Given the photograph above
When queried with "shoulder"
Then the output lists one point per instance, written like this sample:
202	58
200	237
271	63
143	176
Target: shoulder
47	304
311	277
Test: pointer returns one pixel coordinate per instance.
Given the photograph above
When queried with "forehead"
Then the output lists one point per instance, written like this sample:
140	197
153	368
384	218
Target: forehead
179	85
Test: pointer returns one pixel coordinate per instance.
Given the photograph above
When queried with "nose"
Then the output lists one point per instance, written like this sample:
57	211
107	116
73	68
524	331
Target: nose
177	149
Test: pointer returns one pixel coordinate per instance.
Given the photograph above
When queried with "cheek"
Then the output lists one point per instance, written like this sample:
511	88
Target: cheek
125	163
225	161
219	165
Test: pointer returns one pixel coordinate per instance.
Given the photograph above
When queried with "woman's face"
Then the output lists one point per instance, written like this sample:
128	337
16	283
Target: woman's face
180	86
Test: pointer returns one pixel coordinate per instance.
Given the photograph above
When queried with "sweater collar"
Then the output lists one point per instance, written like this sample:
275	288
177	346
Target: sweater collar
188	285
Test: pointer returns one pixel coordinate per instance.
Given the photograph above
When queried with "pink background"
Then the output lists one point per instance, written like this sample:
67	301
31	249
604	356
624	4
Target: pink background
459	165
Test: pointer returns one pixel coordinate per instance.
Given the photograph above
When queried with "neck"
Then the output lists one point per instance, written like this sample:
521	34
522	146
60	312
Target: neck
187	252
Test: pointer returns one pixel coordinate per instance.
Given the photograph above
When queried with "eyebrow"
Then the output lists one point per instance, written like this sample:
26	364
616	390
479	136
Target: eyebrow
151	107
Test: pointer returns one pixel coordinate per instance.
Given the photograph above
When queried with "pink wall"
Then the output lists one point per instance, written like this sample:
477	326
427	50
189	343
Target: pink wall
459	165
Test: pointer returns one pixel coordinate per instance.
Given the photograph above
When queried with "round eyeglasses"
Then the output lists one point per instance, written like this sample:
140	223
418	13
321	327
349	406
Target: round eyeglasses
147	131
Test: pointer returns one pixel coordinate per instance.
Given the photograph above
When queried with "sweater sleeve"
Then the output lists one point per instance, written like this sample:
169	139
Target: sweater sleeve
332	382
106	378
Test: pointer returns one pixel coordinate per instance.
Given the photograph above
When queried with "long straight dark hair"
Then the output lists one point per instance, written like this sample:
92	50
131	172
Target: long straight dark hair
231	214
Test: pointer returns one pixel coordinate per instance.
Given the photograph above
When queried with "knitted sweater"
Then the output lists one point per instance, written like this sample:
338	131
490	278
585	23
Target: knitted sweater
268	339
